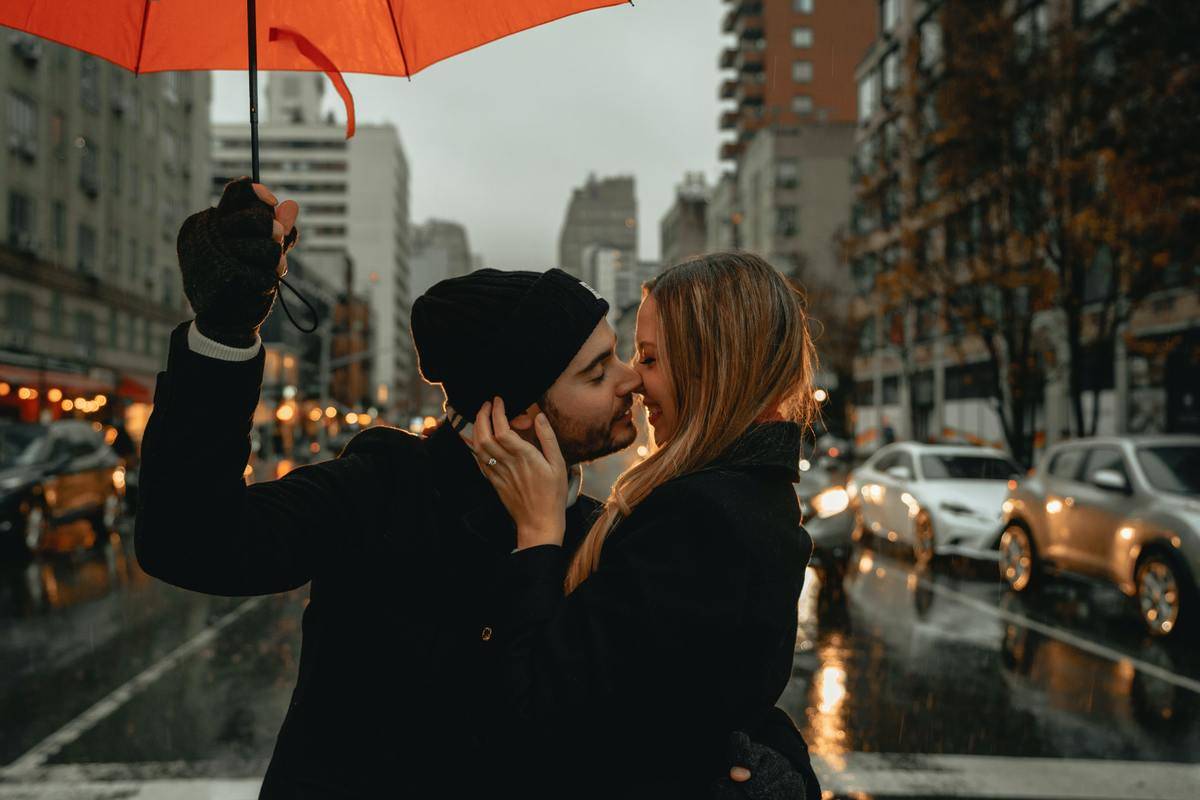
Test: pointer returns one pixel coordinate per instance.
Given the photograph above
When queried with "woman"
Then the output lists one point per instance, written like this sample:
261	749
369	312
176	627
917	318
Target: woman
630	661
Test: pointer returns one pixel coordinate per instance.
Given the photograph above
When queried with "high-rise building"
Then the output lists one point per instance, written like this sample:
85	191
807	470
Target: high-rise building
683	229
602	212
354	199
921	369
98	170
793	62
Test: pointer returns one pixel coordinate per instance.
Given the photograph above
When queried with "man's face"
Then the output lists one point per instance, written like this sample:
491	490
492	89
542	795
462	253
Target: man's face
590	405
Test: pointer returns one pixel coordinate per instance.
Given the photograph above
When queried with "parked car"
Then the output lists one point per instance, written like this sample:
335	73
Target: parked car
52	475
1124	510
940	499
824	508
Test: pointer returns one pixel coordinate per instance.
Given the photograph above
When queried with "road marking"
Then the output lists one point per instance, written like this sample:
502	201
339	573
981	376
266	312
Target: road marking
48	747
900	775
848	774
1068	638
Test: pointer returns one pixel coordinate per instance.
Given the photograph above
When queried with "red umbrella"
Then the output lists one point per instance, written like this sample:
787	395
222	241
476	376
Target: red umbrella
380	37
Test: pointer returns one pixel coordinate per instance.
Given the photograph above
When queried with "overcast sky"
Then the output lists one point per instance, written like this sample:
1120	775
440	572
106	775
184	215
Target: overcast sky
497	137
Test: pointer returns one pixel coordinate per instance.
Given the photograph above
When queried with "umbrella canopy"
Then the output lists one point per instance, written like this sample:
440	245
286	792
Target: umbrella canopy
381	37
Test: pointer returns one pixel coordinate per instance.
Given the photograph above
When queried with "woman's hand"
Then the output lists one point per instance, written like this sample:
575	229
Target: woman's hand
531	483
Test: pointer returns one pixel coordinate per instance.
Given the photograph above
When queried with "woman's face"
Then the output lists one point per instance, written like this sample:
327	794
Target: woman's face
656	389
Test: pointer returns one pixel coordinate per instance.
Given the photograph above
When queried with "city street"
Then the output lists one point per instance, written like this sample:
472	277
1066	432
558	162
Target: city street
905	683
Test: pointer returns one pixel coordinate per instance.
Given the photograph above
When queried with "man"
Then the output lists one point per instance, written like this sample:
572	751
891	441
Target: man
401	537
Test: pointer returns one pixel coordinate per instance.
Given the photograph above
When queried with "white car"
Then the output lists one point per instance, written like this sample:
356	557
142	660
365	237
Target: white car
941	499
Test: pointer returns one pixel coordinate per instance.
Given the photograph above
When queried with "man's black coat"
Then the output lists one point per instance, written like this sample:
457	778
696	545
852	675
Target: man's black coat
401	538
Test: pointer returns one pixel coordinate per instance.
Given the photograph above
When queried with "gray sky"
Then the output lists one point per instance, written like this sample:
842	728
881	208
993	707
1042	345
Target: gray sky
497	137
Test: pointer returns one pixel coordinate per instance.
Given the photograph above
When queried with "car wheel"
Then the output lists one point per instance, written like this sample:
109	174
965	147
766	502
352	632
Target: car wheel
923	546
1160	592
1018	560
37	526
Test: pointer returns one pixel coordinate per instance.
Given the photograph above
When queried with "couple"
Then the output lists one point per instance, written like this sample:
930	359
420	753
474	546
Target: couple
475	624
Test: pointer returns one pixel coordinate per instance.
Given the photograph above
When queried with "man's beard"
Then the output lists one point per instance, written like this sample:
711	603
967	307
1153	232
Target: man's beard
581	442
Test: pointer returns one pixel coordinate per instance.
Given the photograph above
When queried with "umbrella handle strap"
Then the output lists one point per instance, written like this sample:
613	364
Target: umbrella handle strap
315	316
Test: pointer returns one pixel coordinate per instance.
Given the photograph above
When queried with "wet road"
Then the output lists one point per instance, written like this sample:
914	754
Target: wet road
905	684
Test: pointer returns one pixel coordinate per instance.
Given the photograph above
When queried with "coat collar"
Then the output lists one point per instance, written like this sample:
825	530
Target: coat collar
766	445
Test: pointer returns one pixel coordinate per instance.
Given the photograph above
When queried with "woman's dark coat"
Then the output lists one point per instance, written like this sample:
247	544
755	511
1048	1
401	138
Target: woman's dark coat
685	631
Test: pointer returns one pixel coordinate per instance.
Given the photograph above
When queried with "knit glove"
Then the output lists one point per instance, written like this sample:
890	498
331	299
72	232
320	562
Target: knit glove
772	776
229	264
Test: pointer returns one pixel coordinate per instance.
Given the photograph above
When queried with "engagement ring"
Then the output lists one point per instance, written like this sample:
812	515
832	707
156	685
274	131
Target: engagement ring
491	462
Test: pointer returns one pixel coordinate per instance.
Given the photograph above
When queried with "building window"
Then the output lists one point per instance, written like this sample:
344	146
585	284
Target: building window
173	86
113	326
787	221
891	71
868	96
20	221
85	238
56	313
889	15
787	174
802	6
58	225
20	312
1029	32
89	169
802	71
802	104
22	125
115	172
1090	8
89	82
802	37
113	247
133	254
85	334
170	150
931	43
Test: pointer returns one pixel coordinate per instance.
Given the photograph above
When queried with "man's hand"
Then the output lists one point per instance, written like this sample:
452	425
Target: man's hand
739	774
231	258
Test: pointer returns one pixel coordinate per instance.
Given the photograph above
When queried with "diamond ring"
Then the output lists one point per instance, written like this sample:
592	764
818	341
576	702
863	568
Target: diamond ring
491	462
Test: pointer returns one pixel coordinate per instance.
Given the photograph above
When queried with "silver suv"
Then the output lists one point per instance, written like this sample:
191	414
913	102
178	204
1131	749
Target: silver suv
1125	510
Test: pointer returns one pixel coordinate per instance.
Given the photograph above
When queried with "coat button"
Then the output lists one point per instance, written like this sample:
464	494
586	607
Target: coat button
486	633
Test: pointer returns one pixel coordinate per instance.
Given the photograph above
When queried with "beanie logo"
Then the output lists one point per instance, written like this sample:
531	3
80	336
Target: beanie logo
590	289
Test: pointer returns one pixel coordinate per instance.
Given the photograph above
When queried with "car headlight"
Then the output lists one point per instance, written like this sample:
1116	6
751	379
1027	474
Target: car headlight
831	501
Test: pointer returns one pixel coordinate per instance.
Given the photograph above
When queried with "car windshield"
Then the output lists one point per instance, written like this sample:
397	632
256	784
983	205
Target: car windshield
22	444
967	468
1172	468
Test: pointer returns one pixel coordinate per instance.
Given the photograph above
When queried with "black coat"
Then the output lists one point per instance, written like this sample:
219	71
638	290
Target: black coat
684	632
402	539
405	546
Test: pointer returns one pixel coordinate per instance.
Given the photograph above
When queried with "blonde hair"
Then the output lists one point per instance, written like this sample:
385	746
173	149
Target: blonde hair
735	345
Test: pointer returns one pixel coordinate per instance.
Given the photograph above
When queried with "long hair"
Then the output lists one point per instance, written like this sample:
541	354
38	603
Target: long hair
735	345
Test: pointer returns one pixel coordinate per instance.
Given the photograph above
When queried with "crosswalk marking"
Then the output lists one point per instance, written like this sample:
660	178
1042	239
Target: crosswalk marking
845	775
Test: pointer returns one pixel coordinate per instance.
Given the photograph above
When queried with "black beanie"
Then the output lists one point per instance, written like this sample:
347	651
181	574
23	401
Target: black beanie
494	332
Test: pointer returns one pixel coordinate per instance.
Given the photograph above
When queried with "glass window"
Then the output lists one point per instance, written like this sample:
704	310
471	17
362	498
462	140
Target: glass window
115	170
1106	458
937	467
19	312
868	96
802	71
931	43
787	222
802	6
802	37
22	118
89	82
89	169
1172	468
889	15
891	71
787	173
1067	463
802	104
20	221
58	225
86	242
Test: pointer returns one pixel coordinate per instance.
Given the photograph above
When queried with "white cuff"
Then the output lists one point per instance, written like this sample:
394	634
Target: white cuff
199	343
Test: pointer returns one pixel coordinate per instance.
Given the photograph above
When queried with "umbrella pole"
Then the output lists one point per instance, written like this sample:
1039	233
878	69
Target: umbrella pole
252	40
